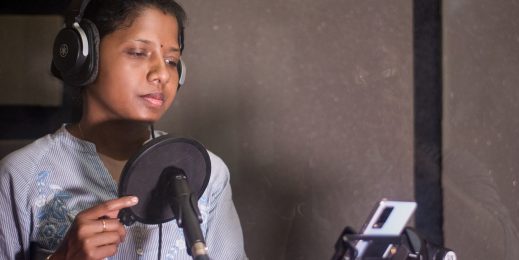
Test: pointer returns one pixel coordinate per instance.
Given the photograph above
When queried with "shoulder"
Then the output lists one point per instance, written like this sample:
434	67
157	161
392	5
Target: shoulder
46	151
26	157
219	170
217	164
219	181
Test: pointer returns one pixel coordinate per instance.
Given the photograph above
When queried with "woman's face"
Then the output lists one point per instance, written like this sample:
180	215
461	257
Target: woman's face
137	77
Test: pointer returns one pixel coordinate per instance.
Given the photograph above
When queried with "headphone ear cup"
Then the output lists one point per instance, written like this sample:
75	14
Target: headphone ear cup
88	72
68	53
76	54
181	69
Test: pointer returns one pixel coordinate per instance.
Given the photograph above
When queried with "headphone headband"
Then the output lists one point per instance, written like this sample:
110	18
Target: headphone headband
75	11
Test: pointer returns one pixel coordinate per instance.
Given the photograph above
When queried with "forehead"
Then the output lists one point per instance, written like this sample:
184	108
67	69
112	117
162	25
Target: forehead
151	24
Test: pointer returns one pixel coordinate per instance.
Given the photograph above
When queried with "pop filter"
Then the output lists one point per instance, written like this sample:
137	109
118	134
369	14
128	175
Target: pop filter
142	176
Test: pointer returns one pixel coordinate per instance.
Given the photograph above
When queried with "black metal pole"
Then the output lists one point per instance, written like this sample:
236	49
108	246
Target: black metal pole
427	43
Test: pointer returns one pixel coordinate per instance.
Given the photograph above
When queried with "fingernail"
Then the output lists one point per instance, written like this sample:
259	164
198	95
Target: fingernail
134	200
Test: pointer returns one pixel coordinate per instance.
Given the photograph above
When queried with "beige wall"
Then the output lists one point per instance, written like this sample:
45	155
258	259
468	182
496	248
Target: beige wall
481	147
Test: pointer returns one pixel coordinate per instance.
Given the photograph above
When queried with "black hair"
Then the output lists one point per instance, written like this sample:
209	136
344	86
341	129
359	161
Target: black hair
110	15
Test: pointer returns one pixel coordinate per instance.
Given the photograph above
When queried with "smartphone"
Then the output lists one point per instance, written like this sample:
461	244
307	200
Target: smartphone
388	218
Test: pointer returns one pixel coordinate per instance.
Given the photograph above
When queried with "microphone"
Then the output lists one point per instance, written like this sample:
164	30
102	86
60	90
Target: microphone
168	175
175	189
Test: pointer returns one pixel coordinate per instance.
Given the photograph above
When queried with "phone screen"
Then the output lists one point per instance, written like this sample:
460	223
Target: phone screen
388	218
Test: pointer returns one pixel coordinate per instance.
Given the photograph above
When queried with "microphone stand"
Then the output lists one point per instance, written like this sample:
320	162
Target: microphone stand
183	203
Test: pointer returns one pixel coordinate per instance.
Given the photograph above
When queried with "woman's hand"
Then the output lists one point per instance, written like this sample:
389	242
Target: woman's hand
96	232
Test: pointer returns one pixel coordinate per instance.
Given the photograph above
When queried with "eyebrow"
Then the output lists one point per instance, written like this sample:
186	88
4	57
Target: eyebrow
172	49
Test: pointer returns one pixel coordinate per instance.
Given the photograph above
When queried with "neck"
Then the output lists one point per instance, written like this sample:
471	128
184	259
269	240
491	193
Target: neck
116	139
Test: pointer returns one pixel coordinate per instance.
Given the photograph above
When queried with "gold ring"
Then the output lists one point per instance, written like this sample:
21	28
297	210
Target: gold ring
104	225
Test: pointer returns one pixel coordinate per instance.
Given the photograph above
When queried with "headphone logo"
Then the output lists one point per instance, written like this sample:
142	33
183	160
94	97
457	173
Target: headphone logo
63	50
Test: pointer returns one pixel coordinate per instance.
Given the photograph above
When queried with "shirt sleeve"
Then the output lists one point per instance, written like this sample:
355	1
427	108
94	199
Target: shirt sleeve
224	236
14	216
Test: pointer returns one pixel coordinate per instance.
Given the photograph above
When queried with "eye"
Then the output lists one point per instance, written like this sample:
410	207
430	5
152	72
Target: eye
137	53
171	62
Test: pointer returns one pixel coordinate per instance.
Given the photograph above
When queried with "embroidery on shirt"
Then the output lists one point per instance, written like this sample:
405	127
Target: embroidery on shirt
203	206
179	246
54	217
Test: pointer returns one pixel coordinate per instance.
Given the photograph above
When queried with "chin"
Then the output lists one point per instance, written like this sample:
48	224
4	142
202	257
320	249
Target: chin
147	118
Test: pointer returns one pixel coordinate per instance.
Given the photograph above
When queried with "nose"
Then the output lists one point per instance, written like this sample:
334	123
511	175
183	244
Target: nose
158	73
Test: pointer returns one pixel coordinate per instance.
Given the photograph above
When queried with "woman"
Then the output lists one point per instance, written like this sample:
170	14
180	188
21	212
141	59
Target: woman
59	194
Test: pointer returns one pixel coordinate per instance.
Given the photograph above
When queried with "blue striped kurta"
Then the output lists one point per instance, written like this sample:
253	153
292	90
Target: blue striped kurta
44	185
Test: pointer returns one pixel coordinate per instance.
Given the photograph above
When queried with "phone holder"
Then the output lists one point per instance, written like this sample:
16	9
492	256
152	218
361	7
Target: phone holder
345	245
409	245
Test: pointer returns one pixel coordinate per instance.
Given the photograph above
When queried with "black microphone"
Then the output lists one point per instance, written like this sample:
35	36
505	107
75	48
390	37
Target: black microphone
175	190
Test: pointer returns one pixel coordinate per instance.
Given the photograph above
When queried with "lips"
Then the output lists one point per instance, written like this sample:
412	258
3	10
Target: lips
154	99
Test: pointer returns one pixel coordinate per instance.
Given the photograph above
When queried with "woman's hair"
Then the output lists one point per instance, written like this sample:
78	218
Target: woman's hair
110	15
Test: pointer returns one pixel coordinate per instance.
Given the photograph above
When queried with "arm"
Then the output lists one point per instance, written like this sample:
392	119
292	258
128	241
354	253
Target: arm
224	236
94	234
14	217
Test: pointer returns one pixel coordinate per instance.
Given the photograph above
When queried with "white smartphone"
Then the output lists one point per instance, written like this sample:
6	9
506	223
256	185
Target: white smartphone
388	218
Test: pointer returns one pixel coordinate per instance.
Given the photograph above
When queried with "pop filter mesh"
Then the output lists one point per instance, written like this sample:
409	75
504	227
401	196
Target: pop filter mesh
141	175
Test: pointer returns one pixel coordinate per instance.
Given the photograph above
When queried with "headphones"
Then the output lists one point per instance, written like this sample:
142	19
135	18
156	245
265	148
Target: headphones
75	54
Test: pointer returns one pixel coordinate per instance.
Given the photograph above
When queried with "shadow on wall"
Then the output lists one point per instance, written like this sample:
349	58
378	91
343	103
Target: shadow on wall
473	196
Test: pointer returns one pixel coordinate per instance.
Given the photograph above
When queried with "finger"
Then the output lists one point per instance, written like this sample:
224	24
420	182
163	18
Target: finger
111	225
106	251
109	208
99	246
89	228
105	238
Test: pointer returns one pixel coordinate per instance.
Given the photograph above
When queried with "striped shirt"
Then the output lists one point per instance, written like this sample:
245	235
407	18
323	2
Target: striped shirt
44	185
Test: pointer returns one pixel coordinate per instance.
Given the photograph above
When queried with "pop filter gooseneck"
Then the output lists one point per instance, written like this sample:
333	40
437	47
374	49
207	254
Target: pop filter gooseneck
168	175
